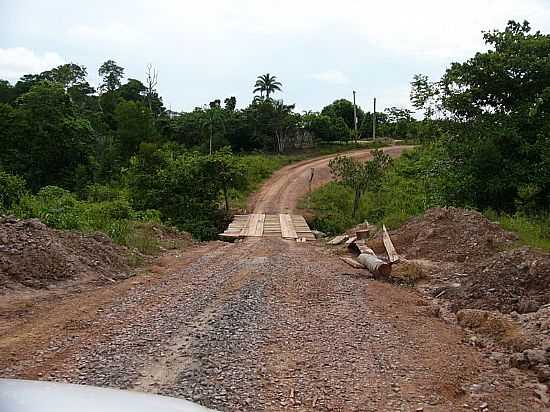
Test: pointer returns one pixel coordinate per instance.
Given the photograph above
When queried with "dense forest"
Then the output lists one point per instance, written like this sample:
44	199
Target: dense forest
90	158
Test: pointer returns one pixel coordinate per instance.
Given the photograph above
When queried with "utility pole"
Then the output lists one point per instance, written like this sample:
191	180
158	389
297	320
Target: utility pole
374	121
355	114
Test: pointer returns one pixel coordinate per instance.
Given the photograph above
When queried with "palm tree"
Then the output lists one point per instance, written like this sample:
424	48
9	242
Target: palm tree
268	84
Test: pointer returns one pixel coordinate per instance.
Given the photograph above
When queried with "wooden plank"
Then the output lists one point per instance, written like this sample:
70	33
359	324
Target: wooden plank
287	228
352	262
388	244
338	239
255	225
351	240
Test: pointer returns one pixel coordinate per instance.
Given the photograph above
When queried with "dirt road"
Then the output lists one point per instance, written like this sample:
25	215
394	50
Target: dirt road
281	193
266	324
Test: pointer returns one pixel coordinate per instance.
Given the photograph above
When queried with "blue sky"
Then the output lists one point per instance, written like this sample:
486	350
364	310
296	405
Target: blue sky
320	50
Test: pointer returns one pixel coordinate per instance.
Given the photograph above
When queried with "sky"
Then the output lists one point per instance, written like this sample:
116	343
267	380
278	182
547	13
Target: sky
203	50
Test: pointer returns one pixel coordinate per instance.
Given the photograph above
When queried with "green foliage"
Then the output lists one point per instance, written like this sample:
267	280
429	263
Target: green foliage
404	190
267	84
134	126
185	187
111	75
229	172
360	176
12	188
343	109
498	145
44	138
60	209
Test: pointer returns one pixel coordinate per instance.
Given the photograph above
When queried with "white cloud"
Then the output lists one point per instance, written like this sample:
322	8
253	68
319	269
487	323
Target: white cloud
331	76
114	34
210	48
17	61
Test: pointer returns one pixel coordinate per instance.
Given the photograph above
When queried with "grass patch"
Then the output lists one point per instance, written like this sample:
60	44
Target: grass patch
533	231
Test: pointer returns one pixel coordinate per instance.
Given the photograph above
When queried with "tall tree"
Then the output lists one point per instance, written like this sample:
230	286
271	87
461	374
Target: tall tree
267	84
111	75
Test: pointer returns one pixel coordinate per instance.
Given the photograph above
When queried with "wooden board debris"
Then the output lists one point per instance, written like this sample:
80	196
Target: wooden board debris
338	239
352	262
388	244
351	240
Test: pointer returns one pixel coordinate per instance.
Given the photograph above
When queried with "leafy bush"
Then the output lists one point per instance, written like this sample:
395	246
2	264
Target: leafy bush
12	188
60	209
97	192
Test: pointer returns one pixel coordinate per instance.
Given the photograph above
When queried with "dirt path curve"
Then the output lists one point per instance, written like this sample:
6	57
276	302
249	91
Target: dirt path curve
282	191
262	325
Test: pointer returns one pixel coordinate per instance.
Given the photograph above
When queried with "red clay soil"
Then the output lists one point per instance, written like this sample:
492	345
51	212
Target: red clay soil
36	256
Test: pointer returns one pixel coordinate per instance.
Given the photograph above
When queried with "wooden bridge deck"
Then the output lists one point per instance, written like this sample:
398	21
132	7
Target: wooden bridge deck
261	225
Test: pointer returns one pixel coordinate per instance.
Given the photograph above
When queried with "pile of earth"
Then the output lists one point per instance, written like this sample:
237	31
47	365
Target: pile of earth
472	261
448	234
36	256
513	280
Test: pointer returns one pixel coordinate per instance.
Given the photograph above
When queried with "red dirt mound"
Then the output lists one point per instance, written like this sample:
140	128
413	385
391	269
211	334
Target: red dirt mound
33	255
448	234
514	280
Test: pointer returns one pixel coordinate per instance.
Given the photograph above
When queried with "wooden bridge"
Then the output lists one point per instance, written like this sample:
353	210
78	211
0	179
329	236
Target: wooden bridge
262	225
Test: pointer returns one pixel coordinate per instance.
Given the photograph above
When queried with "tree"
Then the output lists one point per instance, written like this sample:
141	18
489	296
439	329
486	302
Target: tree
267	84
134	126
229	172
44	139
230	104
183	187
340	130
68	75
151	81
343	108
501	100
111	75
360	176
12	188
7	92
424	95
320	125
133	90
214	118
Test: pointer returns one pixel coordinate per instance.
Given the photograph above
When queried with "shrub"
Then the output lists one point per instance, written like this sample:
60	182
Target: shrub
97	192
12	188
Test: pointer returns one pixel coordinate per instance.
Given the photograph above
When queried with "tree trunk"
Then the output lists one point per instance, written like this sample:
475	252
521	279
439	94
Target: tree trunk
226	198
356	202
376	266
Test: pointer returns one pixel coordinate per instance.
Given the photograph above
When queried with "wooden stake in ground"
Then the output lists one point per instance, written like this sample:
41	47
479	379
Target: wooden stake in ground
338	239
388	244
